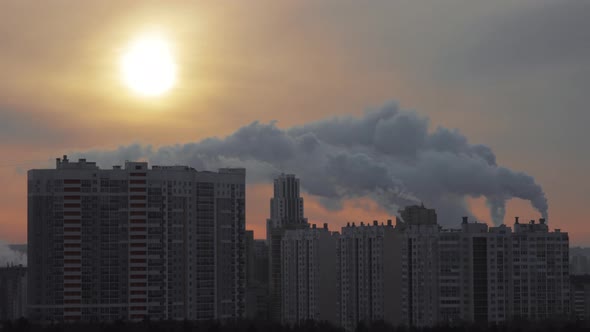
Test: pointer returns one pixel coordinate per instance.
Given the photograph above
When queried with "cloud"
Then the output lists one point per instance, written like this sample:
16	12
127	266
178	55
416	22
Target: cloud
542	34
19	127
387	154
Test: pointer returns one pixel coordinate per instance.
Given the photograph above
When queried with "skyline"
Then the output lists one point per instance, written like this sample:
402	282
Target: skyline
494	71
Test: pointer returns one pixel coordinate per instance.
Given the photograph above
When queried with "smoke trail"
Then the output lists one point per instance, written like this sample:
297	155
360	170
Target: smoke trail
386	154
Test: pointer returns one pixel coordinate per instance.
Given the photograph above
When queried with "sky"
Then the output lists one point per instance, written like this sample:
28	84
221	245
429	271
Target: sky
509	75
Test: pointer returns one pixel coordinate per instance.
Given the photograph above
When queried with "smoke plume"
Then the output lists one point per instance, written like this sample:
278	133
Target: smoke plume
9	256
387	154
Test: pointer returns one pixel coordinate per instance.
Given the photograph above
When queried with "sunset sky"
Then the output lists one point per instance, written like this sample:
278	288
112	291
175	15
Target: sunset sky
511	75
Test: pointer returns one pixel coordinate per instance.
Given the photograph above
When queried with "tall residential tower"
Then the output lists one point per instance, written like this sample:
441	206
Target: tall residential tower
286	212
135	242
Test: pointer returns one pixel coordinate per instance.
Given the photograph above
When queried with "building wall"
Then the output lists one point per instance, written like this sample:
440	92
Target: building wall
256	278
309	275
13	292
474	273
286	212
135	242
362	262
580	297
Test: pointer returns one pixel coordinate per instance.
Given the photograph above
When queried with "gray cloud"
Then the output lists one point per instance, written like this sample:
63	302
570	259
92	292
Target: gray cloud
386	154
542	34
18	127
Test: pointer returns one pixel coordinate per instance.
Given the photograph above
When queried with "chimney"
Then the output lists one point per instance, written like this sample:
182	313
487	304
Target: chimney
532	221
348	224
325	225
388	222
313	226
516	220
465	220
375	223
353	224
362	223
542	221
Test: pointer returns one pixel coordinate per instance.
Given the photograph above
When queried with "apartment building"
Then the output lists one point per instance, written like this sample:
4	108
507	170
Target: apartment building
13	292
256	278
133	242
369	275
474	273
540	278
309	274
286	212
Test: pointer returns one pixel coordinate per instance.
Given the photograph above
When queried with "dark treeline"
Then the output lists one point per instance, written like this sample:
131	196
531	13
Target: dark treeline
22	325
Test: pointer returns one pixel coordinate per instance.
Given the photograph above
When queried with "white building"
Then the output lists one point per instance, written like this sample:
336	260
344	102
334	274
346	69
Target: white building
309	273
134	242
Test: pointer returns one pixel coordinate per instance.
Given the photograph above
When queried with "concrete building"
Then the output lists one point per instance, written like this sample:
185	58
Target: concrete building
580	297
540	278
309	275
474	273
369	275
579	261
13	292
134	242
256	278
419	265
286	212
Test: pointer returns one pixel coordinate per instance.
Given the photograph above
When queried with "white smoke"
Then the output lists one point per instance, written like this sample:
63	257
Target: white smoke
386	154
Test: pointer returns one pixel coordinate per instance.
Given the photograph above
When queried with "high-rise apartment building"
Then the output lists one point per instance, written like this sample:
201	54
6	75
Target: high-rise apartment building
419	265
309	272
256	278
540	281
580	297
369	275
13	292
474	273
135	242
286	212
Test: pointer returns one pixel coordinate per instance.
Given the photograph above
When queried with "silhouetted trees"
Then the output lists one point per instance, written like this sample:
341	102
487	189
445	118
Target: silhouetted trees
23	325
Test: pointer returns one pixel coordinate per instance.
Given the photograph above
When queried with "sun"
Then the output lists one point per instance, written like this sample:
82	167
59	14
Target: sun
148	67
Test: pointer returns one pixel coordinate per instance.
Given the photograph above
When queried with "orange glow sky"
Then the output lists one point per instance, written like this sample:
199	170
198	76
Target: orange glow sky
465	65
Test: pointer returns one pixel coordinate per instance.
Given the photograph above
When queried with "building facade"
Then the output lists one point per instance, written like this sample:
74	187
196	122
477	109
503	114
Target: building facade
474	273
580	297
369	275
256	278
13	292
135	242
309	272
286	212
